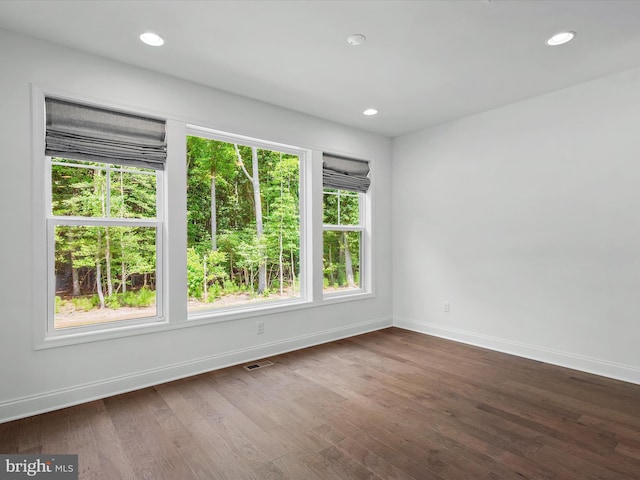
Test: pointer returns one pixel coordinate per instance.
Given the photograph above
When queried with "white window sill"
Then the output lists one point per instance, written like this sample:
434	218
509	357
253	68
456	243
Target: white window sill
62	339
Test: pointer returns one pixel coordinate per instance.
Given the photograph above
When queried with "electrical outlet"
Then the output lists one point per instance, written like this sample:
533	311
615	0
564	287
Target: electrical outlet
447	307
260	327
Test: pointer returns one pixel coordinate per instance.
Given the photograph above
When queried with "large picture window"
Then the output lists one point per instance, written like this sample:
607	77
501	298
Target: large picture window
243	231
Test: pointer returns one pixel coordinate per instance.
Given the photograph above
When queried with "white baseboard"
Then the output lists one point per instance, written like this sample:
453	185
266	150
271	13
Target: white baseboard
53	400
596	366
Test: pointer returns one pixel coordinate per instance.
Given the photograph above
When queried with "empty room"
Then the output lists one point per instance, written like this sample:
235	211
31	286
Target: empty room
320	240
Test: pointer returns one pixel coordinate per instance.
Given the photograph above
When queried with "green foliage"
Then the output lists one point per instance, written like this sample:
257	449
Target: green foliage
125	255
205	271
225	252
144	297
330	272
112	301
84	303
59	303
230	288
195	274
341	262
250	253
213	168
341	207
215	291
340	247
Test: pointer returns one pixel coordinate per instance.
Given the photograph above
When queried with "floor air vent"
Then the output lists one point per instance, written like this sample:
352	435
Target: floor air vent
257	365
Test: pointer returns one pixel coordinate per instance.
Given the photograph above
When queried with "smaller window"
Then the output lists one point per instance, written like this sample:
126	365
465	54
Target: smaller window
105	241
103	218
345	186
342	240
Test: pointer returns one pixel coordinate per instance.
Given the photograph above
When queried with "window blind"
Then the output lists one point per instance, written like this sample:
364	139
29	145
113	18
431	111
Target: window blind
345	173
83	132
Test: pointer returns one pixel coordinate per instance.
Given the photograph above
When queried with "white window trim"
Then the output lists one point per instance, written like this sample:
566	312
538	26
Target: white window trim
242	311
44	222
173	238
53	221
364	253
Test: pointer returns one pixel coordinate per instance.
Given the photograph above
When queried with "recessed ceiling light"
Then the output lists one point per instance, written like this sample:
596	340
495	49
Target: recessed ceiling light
357	39
370	111
561	38
152	39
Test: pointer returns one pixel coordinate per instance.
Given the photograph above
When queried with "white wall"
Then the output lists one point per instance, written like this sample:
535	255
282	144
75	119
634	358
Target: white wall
526	219
37	380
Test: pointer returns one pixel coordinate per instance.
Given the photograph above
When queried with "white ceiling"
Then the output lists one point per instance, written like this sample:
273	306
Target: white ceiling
424	62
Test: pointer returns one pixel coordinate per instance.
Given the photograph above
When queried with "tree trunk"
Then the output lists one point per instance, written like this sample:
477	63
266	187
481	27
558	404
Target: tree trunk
101	189
74	280
333	278
255	182
99	273
214	218
121	194
281	266
293	274
262	266
347	262
280	246
123	283
237	199
123	265
107	258
107	250
248	274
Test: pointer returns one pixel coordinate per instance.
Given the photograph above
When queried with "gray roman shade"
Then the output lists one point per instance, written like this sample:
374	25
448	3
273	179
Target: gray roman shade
82	132
345	173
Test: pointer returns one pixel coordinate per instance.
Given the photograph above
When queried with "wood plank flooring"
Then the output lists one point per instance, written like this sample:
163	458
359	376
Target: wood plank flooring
387	405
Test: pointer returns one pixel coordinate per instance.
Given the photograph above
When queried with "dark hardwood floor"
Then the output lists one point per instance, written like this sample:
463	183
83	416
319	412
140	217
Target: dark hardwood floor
387	405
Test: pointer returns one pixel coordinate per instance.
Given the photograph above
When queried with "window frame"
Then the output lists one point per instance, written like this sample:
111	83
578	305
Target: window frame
303	156
171	259
52	221
360	227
